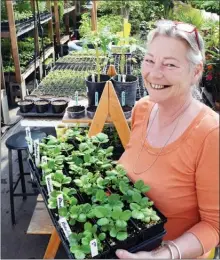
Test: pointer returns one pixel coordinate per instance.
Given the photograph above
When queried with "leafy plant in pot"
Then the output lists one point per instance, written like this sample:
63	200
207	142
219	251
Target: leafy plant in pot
96	83
125	83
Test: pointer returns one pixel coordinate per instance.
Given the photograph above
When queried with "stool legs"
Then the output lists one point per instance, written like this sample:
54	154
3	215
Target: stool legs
20	162
11	186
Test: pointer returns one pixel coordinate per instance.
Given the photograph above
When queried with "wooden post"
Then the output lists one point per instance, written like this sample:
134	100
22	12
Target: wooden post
2	74
36	34
94	16
67	21
57	22
13	37
74	15
53	245
50	22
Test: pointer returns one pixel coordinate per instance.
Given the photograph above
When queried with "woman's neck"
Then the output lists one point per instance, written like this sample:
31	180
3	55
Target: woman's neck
170	110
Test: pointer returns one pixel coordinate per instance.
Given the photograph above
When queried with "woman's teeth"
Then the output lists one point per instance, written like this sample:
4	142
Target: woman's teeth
155	86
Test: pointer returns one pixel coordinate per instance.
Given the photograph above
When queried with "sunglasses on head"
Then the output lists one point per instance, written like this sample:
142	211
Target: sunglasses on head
185	27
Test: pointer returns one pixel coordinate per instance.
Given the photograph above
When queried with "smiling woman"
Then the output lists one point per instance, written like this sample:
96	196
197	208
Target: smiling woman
174	144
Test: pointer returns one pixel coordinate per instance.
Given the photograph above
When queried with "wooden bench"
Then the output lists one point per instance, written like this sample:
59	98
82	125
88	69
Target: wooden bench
41	224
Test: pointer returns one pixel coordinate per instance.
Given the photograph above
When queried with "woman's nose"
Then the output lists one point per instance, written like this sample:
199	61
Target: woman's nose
155	71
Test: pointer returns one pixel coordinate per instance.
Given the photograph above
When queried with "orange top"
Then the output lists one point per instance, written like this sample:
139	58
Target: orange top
184	180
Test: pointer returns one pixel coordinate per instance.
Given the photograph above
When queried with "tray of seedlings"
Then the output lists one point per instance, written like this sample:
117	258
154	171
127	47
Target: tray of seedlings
42	106
94	206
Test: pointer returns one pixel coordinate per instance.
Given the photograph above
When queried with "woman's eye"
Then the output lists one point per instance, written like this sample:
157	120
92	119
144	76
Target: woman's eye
149	61
170	65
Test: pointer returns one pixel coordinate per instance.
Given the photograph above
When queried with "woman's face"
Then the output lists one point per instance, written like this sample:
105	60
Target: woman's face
166	70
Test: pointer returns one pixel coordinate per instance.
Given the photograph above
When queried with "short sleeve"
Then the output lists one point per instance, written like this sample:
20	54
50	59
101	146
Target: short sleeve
207	189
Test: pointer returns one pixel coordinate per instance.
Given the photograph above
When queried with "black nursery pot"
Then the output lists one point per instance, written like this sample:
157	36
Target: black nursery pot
127	111
91	111
25	106
41	106
95	87
76	111
31	98
58	106
129	87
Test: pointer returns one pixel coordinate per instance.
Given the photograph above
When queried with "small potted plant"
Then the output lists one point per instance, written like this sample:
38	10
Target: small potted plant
58	106
25	105
96	82
42	105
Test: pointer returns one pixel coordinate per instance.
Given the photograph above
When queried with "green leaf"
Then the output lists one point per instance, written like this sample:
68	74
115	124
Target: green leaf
79	254
82	217
83	147
78	182
73	239
136	197
66	180
63	212
102	236
113	232
125	215
72	222
86	248
122	236
102	138
116	213
121	223
103	221
56	184
88	226
100	195
137	214
134	206
101	212
86	158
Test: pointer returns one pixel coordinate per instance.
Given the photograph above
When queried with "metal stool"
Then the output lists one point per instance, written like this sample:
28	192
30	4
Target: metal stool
18	142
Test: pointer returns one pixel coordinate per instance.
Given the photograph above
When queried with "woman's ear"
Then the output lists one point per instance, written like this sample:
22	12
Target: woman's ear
197	73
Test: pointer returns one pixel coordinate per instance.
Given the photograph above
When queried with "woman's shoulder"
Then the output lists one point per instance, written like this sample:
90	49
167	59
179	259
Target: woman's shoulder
143	105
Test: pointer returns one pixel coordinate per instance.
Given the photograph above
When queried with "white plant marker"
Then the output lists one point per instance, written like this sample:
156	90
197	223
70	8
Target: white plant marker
43	161
93	77
60	201
96	98
37	152
123	98
123	78
29	139
94	247
119	77
76	98
65	226
49	183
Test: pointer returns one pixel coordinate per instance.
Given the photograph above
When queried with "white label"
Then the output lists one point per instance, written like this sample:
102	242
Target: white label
87	90
37	152
76	98
60	201
49	183
145	93
119	77
123	78
123	98
93	77
96	98
65	226
32	177
94	247
29	139
43	161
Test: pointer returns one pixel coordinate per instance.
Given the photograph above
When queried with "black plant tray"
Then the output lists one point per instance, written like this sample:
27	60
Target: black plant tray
137	242
33	113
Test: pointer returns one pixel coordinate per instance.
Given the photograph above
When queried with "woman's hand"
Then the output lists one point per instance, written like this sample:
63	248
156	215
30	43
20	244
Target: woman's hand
123	254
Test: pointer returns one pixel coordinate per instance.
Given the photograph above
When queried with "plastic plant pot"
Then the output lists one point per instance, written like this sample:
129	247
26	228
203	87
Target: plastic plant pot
91	111
129	87
94	87
42	106
47	96
25	105
76	111
58	106
31	98
127	111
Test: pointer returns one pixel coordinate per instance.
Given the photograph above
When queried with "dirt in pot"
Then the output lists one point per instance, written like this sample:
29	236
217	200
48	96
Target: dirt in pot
92	108
75	109
25	103
41	102
58	102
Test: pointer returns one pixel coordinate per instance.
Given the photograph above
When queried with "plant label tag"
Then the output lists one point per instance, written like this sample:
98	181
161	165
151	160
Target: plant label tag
145	93
96	98
43	161
123	98
49	183
76	98
87	90
37	152
94	247
119	77
93	77
29	139
60	201
123	78
65	226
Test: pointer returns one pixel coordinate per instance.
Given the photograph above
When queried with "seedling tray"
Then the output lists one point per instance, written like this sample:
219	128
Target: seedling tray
33	113
146	239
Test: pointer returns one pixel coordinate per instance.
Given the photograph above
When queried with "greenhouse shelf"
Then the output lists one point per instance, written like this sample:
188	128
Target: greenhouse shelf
64	39
68	10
